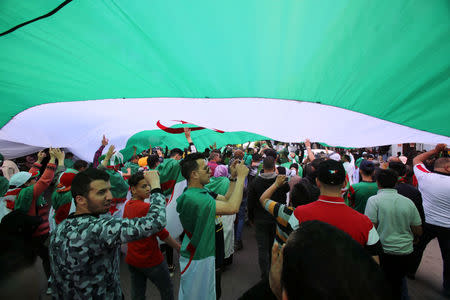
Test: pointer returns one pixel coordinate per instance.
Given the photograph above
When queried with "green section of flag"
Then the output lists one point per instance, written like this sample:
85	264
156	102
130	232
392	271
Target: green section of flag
201	138
387	59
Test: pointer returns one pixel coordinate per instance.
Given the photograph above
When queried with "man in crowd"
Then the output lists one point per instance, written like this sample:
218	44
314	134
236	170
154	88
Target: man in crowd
340	270
435	189
25	194
398	222
264	222
198	209
406	189
84	249
331	208
111	164
359	193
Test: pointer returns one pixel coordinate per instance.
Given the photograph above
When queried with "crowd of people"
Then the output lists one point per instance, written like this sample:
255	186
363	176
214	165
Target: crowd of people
329	223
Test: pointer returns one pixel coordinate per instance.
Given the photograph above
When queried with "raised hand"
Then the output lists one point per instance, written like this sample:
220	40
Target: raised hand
233	170
187	133
307	143
41	155
152	178
242	170
105	141
60	155
440	147
281	179
111	151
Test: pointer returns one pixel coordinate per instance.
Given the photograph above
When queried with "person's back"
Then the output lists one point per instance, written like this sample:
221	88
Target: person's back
397	221
359	193
412	193
256	189
406	189
331	208
340	270
395	215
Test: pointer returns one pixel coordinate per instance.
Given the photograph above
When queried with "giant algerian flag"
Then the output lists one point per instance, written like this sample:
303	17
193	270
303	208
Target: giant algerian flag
342	72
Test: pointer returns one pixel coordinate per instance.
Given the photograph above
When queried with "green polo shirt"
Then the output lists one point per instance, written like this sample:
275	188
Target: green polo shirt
394	215
359	193
197	209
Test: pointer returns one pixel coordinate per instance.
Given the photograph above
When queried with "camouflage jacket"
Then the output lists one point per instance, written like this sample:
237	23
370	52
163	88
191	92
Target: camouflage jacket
84	251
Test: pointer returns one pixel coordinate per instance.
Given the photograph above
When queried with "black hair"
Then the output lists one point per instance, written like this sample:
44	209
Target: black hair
386	178
152	161
256	157
80	164
271	152
398	167
82	181
69	155
135	178
294	165
281	170
175	151
300	194
308	171
189	164
16	248
346	157
316	162
331	173
341	269
269	163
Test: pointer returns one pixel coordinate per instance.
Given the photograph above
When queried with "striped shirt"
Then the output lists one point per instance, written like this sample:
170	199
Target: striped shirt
282	214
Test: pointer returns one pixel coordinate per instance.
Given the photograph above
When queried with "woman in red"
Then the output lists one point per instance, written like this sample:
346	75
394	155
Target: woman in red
144	258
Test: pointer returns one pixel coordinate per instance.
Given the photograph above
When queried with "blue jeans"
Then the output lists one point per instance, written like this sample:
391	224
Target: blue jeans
240	220
159	275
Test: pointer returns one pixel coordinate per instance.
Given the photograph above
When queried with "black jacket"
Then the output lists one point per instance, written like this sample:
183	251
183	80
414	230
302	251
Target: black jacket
256	188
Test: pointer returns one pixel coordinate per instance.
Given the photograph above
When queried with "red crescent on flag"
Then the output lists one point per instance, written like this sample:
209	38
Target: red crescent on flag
181	130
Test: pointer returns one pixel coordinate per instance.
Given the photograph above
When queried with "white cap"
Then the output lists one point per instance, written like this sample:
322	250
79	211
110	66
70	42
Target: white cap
335	156
19	179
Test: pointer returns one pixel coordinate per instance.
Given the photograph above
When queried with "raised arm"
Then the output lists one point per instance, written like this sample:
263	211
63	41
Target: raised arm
116	231
424	156
233	176
37	165
46	179
308	148
231	206
187	133
108	156
99	152
269	192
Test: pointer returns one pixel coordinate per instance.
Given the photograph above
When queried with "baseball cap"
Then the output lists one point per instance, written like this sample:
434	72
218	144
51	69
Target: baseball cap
19	179
335	156
331	172
65	182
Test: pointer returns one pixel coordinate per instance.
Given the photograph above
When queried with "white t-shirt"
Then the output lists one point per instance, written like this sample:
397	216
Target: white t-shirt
435	189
